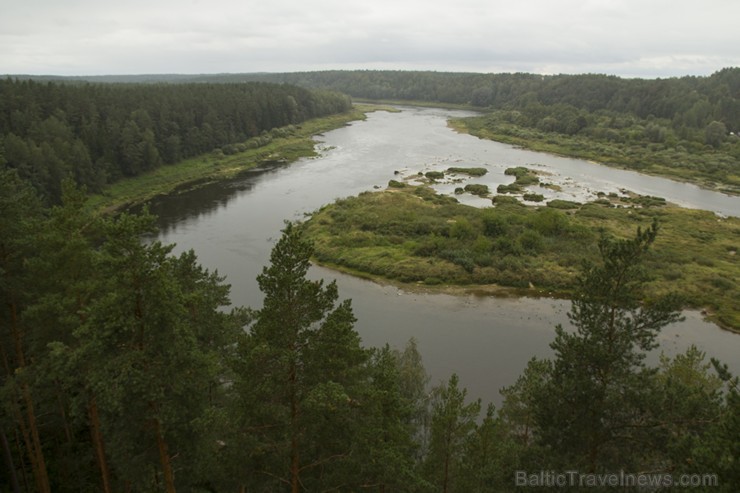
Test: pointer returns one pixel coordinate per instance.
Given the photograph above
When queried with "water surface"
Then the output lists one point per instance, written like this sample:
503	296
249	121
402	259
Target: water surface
487	341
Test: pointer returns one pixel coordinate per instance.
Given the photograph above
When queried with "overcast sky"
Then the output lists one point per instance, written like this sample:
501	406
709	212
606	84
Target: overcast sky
632	38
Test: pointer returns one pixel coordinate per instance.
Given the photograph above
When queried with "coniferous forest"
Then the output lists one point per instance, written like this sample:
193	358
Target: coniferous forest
125	368
99	133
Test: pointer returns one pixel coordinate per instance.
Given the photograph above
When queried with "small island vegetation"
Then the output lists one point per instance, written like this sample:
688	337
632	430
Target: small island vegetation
683	128
475	171
414	235
127	368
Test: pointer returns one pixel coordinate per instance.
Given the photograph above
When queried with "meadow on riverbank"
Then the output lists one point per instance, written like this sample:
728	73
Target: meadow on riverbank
411	234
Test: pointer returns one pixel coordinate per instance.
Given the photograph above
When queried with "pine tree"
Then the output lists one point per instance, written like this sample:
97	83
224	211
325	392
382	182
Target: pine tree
453	423
385	458
591	410
299	376
148	357
20	222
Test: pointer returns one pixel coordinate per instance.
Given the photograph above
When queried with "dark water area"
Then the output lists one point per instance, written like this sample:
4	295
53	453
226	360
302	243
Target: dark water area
232	227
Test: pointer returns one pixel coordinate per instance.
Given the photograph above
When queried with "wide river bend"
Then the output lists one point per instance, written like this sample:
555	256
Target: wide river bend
232	227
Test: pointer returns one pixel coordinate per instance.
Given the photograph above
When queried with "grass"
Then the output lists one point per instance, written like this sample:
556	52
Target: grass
467	171
708	168
211	167
411	235
524	177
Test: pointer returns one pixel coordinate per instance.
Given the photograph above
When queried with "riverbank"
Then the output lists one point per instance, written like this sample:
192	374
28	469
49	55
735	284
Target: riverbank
709	169
412	236
286	146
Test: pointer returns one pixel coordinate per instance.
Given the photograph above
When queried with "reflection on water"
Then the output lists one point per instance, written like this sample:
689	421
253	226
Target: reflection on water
487	341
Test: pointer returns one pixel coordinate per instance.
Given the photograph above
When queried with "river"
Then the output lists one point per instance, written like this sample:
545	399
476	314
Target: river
487	341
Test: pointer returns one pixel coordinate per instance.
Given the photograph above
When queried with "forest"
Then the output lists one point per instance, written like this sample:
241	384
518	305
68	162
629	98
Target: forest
100	133
683	128
125	368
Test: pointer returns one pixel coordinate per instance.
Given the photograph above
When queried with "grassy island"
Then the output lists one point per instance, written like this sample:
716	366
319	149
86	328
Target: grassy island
413	235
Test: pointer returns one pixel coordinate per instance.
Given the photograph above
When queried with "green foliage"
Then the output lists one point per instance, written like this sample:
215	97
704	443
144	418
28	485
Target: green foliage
704	154
503	199
468	171
549	222
531	241
299	337
98	134
512	188
462	229
124	344
533	197
598	373
477	189
645	201
524	177
122	368
452	426
494	224
396	184
396	236
715	134
435	175
563	204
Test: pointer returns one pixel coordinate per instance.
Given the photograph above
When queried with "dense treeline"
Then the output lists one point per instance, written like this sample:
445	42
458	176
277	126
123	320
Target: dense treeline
123	372
684	128
98	133
693	102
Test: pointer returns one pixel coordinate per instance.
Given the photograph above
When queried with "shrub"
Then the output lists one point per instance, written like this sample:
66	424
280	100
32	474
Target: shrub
513	188
482	246
507	246
484	260
462	229
517	171
396	184
531	241
468	171
503	199
549	222
494	225
534	197
461	257
429	247
563	204
434	175
524	176
477	189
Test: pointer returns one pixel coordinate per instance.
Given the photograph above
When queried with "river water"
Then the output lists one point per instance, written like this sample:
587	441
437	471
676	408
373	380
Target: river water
487	341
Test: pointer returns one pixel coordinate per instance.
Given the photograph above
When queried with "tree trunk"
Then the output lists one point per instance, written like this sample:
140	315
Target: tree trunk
9	463
37	454
97	438
164	457
446	477
295	469
42	477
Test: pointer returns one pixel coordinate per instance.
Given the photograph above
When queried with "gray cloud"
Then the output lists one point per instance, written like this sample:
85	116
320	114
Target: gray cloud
628	37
